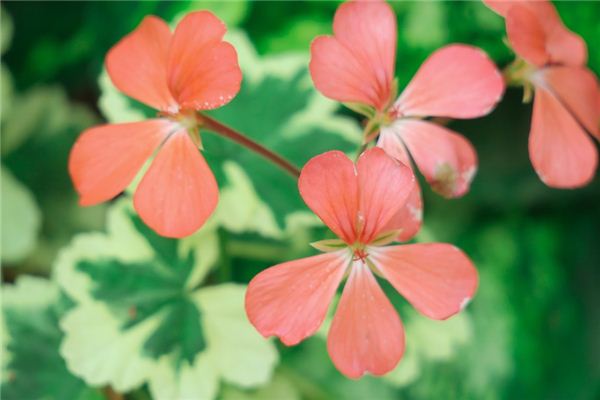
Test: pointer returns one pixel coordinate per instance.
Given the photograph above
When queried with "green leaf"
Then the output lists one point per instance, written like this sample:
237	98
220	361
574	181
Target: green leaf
280	388
6	89
32	366
248	215
425	24
6	30
278	107
429	341
21	219
140	317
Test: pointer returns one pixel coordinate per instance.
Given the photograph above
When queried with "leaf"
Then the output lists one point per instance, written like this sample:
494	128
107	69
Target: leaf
429	341
21	219
140	317
425	25
279	388
32	366
43	111
240	209
6	30
278	107
7	89
309	367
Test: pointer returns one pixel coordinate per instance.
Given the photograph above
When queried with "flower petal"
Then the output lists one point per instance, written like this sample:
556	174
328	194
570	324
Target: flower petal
526	35
410	217
577	89
456	81
290	300
329	186
105	159
203	71
179	191
446	159
562	45
366	334
137	65
357	64
561	152
436	278
384	185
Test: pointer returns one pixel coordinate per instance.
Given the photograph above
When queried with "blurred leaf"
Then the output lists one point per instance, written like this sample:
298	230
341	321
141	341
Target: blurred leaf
428	340
138	310
7	89
37	136
44	112
6	30
425	24
309	367
230	12
33	368
280	388
21	219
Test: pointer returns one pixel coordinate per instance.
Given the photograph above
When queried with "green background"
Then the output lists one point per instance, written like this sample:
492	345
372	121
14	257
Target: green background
531	332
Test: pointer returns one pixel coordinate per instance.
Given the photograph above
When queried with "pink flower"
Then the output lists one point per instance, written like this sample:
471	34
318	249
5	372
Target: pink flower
357	65
567	100
358	203
177	74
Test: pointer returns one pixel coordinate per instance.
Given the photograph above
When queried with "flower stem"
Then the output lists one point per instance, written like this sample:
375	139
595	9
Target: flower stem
225	131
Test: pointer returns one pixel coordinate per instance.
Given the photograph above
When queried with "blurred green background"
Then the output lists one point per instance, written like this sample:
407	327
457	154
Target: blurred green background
89	311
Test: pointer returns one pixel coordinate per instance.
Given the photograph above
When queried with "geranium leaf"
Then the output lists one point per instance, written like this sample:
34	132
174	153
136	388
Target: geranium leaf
142	315
32	366
21	219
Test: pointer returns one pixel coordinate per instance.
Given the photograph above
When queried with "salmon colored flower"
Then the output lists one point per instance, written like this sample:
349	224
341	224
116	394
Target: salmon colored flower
178	74
356	65
551	62
358	203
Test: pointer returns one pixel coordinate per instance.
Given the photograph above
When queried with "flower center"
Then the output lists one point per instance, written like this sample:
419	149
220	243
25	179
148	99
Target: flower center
359	252
189	120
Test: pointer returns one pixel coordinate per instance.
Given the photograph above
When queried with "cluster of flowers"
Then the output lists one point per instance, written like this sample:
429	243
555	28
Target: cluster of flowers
369	203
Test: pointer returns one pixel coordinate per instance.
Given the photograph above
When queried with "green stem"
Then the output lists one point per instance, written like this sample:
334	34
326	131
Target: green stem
225	131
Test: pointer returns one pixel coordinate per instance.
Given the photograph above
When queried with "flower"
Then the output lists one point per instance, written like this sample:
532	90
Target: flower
358	202
551	61
356	65
177	74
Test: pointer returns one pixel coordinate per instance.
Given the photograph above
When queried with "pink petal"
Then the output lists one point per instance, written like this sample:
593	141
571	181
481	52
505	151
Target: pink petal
409	218
329	187
179	191
562	45
105	159
384	186
526	35
446	159
436	278
137	65
577	89
357	64
366	334
203	71
561	152
290	300
456	81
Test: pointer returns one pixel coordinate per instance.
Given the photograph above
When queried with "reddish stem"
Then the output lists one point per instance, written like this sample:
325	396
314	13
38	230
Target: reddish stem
225	131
